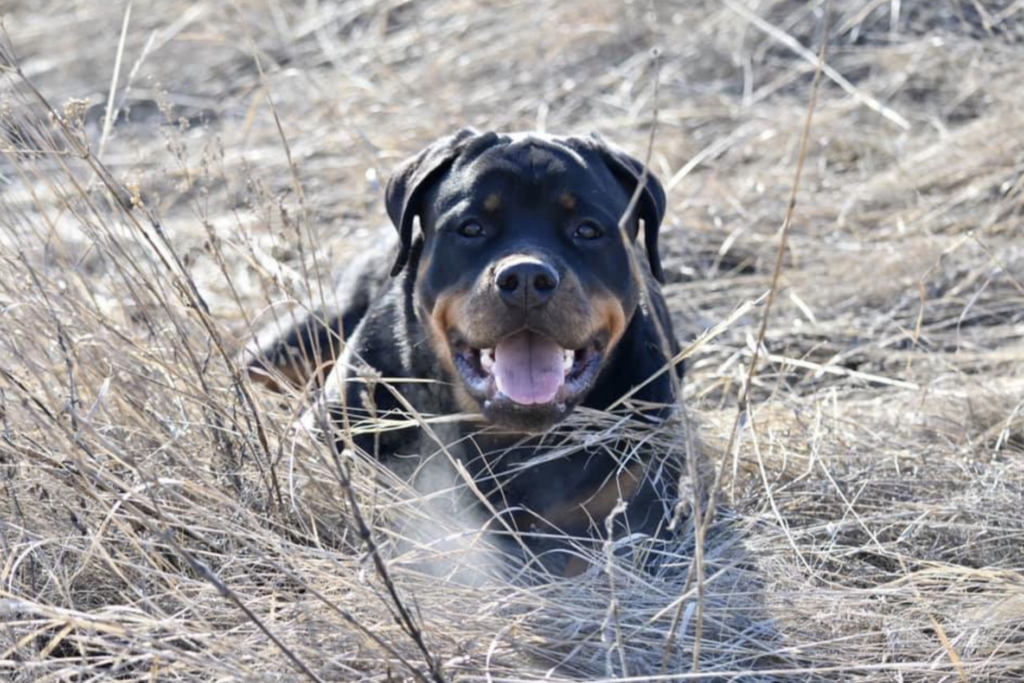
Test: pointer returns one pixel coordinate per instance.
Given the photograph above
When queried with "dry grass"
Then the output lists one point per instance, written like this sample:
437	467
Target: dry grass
159	522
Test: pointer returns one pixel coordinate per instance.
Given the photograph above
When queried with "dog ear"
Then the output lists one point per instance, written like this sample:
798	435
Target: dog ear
651	205
404	194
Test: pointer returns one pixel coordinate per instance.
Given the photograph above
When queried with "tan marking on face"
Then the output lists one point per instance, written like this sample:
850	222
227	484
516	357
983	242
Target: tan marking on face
493	202
608	314
436	331
568	201
449	307
440	321
466	403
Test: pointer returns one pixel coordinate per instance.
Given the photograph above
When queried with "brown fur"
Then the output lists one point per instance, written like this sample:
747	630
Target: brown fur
597	504
583	509
285	376
447	309
609	315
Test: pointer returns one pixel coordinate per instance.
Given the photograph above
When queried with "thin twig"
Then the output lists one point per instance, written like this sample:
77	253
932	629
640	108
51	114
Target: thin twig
108	117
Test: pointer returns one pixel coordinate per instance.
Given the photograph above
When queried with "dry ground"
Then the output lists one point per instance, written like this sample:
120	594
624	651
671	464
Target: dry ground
157	522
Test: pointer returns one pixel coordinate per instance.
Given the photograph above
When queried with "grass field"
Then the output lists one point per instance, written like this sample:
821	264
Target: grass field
173	172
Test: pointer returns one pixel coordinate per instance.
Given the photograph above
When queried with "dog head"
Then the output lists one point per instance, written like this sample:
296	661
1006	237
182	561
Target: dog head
525	282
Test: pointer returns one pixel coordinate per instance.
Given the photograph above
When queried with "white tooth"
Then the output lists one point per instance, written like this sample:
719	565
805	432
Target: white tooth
486	358
568	358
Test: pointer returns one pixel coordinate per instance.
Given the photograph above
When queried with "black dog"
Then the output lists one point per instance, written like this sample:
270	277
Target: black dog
523	299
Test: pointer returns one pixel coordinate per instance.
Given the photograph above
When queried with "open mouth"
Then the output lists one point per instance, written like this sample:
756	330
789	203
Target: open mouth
528	369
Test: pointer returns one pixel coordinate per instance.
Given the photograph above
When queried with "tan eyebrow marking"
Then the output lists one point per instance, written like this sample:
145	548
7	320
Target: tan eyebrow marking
493	202
568	201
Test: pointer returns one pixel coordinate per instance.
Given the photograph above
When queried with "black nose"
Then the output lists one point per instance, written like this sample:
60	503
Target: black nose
526	283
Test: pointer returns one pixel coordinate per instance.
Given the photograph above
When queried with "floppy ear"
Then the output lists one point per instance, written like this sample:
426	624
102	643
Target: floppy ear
410	180
651	205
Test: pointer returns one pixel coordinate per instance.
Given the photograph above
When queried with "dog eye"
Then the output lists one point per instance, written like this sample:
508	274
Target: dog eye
588	231
471	229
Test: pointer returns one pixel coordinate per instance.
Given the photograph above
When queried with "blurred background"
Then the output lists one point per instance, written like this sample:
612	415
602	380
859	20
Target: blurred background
877	484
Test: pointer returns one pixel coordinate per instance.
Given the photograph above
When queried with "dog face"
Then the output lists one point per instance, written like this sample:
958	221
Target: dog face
525	282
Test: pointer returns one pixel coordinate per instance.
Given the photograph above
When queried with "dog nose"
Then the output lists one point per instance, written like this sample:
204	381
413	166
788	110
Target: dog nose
526	283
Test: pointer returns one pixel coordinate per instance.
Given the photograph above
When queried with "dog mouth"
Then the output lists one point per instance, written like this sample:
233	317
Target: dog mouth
528	369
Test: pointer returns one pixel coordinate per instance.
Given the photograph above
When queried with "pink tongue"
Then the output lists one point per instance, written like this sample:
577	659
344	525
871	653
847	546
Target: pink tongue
528	368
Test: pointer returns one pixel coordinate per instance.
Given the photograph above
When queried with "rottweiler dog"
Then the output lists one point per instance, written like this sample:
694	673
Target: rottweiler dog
524	294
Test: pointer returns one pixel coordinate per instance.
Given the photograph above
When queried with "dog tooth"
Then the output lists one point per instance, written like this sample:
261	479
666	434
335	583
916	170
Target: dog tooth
568	358
486	358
